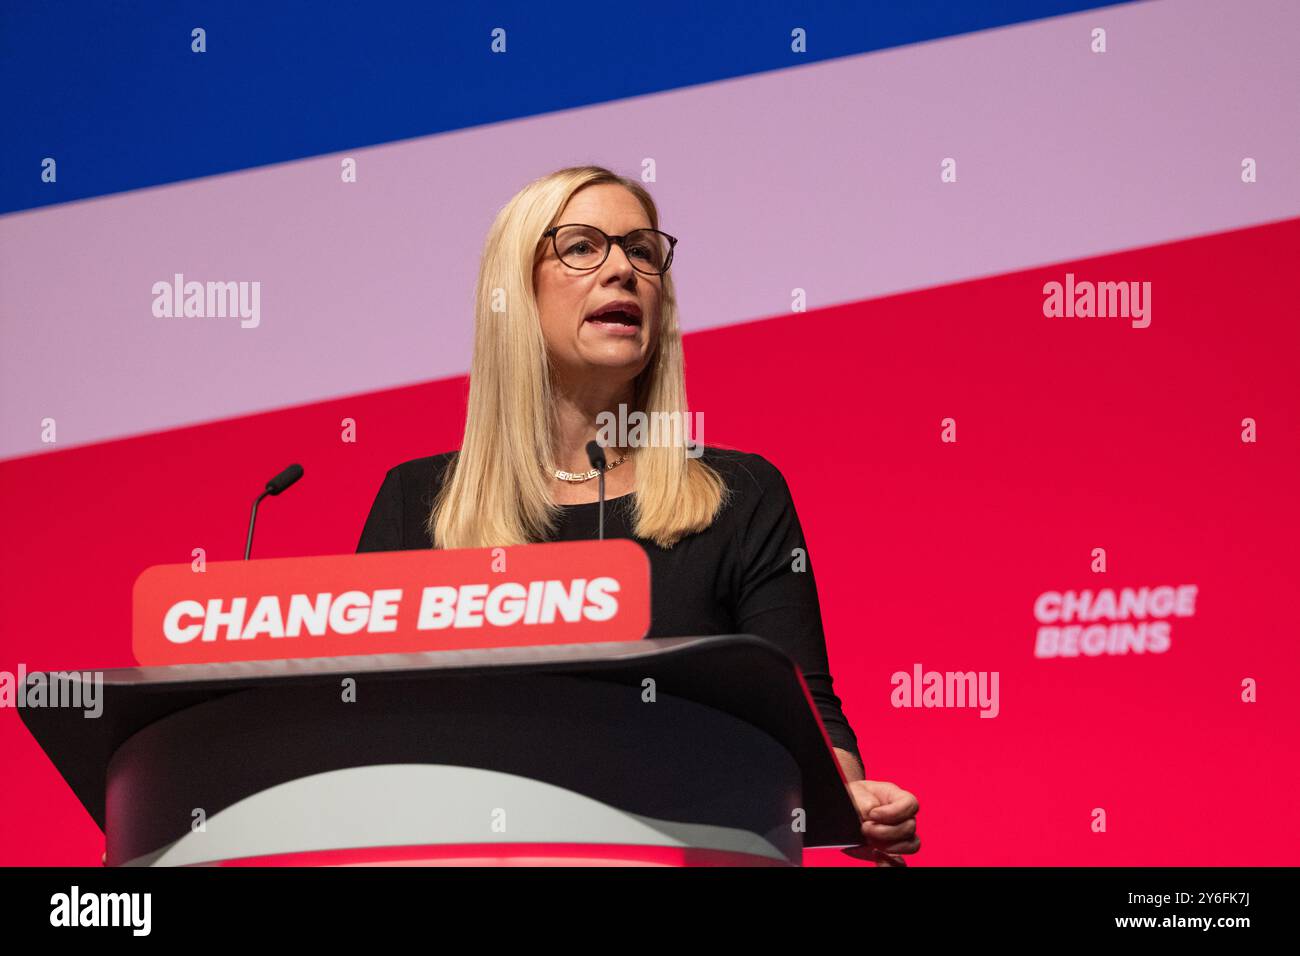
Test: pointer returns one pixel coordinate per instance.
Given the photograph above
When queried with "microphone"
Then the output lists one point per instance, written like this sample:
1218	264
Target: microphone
284	479
596	455
273	487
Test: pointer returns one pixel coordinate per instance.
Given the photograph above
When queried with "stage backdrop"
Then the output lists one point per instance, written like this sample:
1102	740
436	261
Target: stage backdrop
1008	296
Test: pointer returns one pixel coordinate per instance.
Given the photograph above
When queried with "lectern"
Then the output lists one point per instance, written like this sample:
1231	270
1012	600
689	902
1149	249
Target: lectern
510	713
680	751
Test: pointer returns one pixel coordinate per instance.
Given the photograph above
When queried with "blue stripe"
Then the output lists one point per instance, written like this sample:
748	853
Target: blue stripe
114	94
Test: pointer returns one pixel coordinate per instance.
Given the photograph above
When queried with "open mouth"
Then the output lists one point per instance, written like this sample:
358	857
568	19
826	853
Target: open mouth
617	314
615	318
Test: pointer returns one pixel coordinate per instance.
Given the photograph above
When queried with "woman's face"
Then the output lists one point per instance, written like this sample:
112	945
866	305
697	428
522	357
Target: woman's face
584	349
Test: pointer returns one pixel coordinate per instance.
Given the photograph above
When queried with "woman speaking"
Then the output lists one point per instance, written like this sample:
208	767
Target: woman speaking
575	322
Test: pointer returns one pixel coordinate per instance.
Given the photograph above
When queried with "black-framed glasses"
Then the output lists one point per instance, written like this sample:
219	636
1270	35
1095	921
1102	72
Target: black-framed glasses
580	246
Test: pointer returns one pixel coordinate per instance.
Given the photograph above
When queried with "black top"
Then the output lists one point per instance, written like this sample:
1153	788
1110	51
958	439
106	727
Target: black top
738	576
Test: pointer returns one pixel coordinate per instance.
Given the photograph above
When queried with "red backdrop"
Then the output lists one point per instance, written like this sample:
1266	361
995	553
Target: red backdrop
1072	434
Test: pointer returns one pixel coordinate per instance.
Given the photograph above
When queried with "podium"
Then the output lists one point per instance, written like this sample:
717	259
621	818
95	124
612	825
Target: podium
671	751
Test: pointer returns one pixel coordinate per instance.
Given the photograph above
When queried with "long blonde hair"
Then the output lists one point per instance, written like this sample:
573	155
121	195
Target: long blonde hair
495	492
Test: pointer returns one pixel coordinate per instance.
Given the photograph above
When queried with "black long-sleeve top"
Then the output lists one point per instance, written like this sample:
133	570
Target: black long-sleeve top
741	575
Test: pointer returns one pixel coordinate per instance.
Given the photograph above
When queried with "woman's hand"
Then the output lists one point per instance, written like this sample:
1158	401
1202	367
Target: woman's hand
888	815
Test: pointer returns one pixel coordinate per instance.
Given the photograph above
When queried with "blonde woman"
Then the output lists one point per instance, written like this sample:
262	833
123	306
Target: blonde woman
589	325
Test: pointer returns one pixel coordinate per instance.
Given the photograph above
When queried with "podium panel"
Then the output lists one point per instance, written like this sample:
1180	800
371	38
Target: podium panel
530	759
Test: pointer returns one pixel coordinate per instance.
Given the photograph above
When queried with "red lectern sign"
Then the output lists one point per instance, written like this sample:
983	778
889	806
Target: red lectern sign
392	602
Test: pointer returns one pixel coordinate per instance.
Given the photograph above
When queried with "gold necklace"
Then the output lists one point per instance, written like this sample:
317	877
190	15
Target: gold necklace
580	476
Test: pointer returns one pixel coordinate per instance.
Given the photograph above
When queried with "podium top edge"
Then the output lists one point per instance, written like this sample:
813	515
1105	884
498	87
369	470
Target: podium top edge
405	663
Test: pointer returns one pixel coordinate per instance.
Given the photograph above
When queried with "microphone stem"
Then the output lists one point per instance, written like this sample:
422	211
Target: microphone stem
252	520
601	515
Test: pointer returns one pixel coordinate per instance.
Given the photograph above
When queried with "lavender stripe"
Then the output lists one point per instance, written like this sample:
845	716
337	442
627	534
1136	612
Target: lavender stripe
823	177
